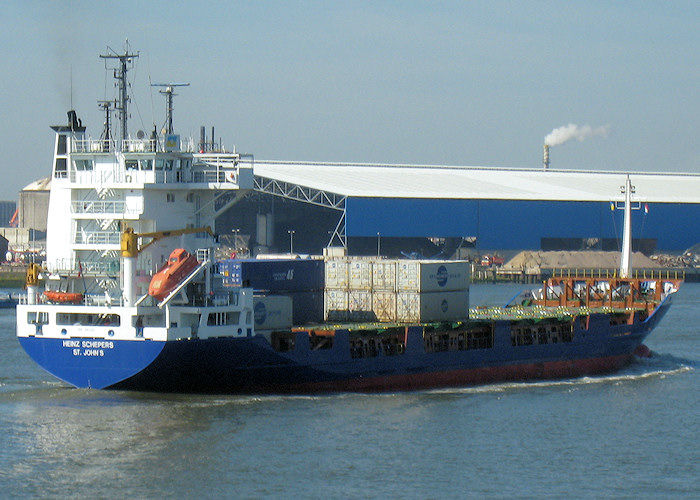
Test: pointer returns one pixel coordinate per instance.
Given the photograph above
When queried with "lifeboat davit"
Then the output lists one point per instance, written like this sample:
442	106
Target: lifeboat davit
180	264
63	297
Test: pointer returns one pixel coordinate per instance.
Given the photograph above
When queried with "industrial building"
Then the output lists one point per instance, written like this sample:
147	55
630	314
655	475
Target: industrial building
306	206
33	206
423	209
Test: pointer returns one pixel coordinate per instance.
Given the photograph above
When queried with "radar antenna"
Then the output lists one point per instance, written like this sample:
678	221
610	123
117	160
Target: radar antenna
169	92
106	138
126	62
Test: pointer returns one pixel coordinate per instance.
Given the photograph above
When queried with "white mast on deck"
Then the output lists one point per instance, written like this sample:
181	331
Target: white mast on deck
125	60
626	257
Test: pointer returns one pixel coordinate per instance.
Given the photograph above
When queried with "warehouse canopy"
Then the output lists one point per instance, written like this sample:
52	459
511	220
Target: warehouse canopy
454	182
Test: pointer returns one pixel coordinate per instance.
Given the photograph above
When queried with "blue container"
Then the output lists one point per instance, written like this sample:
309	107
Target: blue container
274	276
307	307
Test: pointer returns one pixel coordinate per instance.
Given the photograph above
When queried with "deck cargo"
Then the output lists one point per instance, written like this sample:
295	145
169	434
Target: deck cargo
307	306
336	272
335	304
274	276
432	276
432	306
359	274
272	312
384	275
384	305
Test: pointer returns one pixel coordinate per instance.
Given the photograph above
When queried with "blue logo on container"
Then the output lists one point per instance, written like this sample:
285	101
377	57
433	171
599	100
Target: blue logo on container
442	276
260	313
444	306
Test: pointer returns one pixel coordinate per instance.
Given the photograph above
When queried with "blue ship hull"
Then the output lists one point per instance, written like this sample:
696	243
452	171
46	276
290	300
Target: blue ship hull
251	365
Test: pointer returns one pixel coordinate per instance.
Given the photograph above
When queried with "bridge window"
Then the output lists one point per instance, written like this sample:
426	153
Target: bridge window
170	198
37	318
62	147
60	167
88	319
83	165
223	318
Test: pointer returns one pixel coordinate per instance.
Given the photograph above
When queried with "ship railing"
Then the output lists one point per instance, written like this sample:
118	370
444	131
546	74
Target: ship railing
98	207
88	145
140	145
197	175
102	299
98	237
97	267
93	146
638	274
216	176
90	299
203	254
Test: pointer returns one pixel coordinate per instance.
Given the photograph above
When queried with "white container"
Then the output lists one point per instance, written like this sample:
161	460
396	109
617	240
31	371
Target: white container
272	312
335	305
384	306
434	306
432	276
360	274
384	275
360	306
336	273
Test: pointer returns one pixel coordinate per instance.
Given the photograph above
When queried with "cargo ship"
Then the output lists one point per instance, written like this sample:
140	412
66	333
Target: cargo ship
131	296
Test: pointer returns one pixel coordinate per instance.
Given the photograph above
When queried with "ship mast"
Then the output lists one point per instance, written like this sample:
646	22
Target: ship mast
169	93
106	136
626	257
125	60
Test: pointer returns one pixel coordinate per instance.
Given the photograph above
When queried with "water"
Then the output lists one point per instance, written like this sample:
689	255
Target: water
633	434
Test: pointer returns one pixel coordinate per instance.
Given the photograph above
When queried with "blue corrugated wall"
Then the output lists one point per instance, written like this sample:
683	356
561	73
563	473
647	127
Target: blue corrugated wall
512	224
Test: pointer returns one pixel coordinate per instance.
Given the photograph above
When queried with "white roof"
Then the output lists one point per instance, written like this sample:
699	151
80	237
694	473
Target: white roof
39	185
452	182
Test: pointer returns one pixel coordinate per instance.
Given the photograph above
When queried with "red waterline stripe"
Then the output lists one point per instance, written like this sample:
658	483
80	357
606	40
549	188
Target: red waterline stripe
472	376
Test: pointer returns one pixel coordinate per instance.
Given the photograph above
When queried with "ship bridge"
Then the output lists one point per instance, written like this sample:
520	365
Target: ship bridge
502	207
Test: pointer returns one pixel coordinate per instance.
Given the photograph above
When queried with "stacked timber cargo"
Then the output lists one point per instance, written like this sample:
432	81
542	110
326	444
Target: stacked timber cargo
362	289
276	282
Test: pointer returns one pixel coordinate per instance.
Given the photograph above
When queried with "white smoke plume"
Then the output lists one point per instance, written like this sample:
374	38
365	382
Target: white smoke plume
571	131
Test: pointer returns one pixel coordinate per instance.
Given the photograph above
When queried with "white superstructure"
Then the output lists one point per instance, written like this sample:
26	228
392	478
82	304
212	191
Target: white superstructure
161	190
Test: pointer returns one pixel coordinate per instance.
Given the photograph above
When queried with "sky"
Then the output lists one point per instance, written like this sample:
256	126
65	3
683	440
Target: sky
477	83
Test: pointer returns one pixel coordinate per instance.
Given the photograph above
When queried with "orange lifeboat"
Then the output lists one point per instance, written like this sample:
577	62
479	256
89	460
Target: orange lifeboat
63	297
180	264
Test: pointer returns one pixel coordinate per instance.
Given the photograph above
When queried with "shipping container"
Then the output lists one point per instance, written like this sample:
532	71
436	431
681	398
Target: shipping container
432	306
359	274
360	306
432	276
336	273
384	275
274	275
307	307
272	312
335	304
384	306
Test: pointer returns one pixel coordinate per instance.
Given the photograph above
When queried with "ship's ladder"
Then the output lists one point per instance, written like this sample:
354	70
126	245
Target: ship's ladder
107	224
110	254
107	284
104	193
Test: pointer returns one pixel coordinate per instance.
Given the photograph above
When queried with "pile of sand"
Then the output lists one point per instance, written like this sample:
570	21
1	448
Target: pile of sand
534	262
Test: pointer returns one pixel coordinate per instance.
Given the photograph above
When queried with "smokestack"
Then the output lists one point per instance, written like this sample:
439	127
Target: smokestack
545	157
